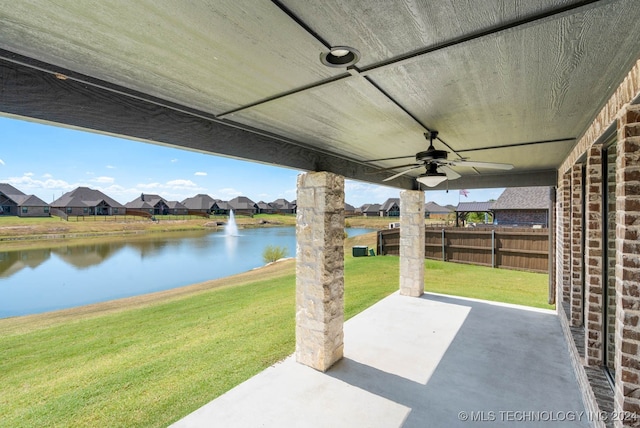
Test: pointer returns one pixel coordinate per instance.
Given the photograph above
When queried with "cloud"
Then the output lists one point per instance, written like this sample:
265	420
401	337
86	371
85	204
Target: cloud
358	193
174	160
172	184
227	193
29	174
202	174
148	186
47	175
104	180
172	190
181	184
110	167
1	162
29	185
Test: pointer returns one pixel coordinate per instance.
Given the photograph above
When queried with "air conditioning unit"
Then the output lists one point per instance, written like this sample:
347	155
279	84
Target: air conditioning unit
394	225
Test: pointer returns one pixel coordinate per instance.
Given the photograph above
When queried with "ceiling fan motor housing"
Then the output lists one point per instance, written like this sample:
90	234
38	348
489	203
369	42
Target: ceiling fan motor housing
431	154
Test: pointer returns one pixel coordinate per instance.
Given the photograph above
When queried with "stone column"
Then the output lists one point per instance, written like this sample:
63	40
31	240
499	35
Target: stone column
593	258
412	243
576	245
320	269
627	339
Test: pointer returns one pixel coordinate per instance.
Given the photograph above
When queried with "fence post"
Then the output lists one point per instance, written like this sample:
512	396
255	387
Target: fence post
493	248
443	249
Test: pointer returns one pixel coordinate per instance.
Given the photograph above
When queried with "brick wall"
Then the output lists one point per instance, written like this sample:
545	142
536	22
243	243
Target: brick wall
520	217
563	254
610	258
576	245
612	274
593	258
627	385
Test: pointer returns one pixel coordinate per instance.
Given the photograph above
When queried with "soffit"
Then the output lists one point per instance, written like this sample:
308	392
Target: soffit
484	74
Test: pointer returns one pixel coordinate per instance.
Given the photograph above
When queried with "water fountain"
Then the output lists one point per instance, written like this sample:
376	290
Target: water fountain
231	229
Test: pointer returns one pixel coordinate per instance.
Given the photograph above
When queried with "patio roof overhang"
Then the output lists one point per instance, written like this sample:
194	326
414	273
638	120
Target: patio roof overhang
502	82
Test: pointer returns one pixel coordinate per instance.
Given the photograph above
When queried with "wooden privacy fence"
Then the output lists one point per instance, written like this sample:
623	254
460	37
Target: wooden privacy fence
506	248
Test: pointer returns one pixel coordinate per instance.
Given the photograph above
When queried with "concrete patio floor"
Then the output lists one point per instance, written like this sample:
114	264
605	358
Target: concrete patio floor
434	361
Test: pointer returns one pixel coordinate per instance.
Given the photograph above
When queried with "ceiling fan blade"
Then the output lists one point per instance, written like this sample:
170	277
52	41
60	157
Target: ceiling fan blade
402	173
393	167
451	174
491	165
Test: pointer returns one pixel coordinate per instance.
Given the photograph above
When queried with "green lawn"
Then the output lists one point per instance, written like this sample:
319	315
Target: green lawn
479	282
153	365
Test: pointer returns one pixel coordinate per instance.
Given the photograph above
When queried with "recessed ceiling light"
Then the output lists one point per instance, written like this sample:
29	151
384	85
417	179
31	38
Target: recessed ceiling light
339	52
340	57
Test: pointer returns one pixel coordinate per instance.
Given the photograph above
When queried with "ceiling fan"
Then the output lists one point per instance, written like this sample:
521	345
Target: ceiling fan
438	167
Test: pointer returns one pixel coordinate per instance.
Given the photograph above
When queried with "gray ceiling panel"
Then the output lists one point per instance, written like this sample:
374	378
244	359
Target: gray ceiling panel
383	29
483	73
212	56
349	117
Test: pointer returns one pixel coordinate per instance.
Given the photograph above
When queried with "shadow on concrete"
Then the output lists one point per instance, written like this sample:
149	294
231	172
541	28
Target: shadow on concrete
434	361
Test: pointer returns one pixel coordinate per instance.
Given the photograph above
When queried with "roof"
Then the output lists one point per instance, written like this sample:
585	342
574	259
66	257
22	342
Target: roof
264	206
175	205
199	202
28	201
282	204
471	207
432	207
85	197
389	203
21	199
241	203
220	67
138	204
144	201
349	207
523	198
370	208
8	189
222	205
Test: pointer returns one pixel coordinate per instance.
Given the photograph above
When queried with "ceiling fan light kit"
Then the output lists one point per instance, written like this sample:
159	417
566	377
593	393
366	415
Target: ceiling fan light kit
431	180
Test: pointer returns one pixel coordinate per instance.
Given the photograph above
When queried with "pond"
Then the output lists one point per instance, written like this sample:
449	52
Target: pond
35	281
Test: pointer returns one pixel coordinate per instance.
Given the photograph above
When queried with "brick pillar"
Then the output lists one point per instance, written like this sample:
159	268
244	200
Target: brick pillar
558	232
563	255
320	269
552	246
593	258
627	339
412	243
576	245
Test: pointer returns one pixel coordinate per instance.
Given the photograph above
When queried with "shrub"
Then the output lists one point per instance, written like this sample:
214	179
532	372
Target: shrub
272	253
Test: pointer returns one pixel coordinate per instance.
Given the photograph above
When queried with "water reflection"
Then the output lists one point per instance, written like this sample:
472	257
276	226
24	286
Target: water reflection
85	256
14	261
35	281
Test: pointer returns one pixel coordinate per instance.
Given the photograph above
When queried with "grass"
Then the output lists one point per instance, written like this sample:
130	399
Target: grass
149	360
479	282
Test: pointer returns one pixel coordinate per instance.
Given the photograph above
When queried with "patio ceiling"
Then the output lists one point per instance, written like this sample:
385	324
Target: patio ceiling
502	81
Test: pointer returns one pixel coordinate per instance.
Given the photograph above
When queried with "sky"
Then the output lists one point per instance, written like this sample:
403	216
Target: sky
48	161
